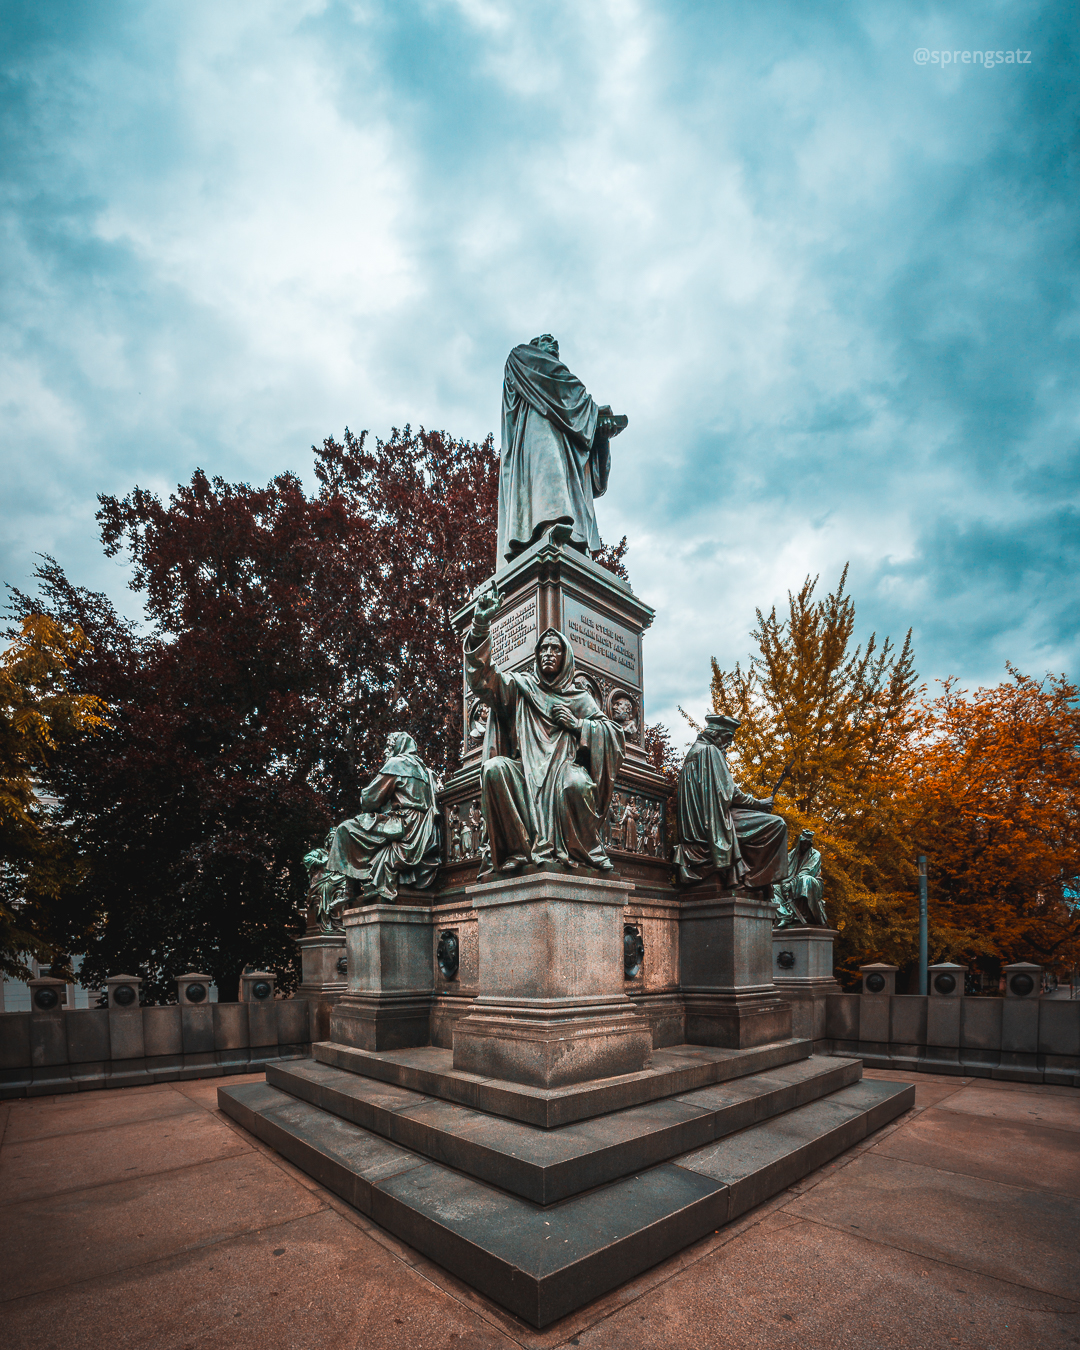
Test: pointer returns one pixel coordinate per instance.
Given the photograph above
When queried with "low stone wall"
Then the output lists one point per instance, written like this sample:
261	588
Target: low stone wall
1028	1040
52	1050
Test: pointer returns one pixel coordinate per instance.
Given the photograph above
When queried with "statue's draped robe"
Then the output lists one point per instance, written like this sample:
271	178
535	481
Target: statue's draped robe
553	461
544	790
721	829
395	838
799	897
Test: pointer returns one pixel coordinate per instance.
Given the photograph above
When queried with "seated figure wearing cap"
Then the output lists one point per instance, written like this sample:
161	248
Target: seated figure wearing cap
799	897
723	832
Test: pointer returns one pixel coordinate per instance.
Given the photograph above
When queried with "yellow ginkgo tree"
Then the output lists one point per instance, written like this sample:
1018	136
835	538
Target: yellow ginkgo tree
38	714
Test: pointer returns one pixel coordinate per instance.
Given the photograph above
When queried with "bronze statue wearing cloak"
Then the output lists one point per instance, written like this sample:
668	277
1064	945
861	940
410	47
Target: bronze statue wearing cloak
395	838
556	453
721	830
549	760
799	897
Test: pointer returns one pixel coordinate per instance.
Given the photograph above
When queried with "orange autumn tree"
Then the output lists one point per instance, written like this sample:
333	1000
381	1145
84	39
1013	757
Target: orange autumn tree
995	802
843	716
39	713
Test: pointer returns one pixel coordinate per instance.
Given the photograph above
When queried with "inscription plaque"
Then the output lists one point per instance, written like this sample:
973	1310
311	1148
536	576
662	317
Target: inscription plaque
513	635
600	641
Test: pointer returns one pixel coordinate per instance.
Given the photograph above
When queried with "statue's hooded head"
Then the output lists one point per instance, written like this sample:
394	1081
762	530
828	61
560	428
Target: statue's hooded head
720	729
402	757
400	743
555	667
546	343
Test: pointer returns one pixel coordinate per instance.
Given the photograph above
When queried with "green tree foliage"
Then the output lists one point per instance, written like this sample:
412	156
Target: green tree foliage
842	717
40	717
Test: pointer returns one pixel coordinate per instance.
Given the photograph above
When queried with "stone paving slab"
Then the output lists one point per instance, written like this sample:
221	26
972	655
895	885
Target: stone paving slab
45	1117
45	1166
1059	1111
1009	1151
1006	1232
84	1235
311	1283
789	1284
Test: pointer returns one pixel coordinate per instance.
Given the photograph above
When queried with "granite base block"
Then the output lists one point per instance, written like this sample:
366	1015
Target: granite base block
551	1053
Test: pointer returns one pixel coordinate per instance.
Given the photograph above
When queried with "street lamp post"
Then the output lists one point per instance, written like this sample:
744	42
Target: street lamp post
923	957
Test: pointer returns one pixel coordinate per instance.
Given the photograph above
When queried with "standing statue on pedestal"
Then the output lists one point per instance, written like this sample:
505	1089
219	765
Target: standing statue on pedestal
394	841
798	898
322	899
722	831
549	760
556	453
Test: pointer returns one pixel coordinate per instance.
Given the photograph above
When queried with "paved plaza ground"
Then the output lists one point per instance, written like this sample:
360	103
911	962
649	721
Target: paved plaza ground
142	1217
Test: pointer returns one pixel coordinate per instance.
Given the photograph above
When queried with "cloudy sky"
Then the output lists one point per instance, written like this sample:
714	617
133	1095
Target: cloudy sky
834	289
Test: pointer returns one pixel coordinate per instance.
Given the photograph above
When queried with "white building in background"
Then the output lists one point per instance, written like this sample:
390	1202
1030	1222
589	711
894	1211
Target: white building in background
15	994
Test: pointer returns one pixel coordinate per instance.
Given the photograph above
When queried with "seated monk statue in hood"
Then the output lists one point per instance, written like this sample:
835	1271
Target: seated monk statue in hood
549	760
394	841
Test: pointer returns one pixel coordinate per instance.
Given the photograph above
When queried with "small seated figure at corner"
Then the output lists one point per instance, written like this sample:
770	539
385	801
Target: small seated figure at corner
394	841
722	831
798	898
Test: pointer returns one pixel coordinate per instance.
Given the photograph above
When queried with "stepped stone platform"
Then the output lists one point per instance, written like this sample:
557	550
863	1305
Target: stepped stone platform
677	1068
585	1187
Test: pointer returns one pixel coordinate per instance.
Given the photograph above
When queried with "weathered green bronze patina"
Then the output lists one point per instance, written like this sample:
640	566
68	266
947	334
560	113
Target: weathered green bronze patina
556	453
722	831
549	760
798	897
394	841
322	897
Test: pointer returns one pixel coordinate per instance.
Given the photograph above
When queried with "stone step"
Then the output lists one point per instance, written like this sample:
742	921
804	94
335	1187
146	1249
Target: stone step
549	1165
543	1261
672	1070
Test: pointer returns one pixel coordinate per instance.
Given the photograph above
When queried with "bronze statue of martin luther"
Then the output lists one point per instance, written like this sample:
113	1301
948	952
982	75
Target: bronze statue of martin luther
556	453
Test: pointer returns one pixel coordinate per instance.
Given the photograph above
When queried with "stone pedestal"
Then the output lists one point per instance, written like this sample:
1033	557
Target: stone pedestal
803	974
390	984
552	1008
324	977
726	964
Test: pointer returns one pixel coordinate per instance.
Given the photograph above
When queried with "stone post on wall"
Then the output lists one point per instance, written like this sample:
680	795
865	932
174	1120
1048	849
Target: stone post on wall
1020	1021
878	987
803	973
944	1014
123	991
48	1034
196	1020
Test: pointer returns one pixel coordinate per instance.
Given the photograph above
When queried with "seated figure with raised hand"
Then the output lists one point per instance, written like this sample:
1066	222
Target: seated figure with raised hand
394	841
723	832
798	898
549	760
